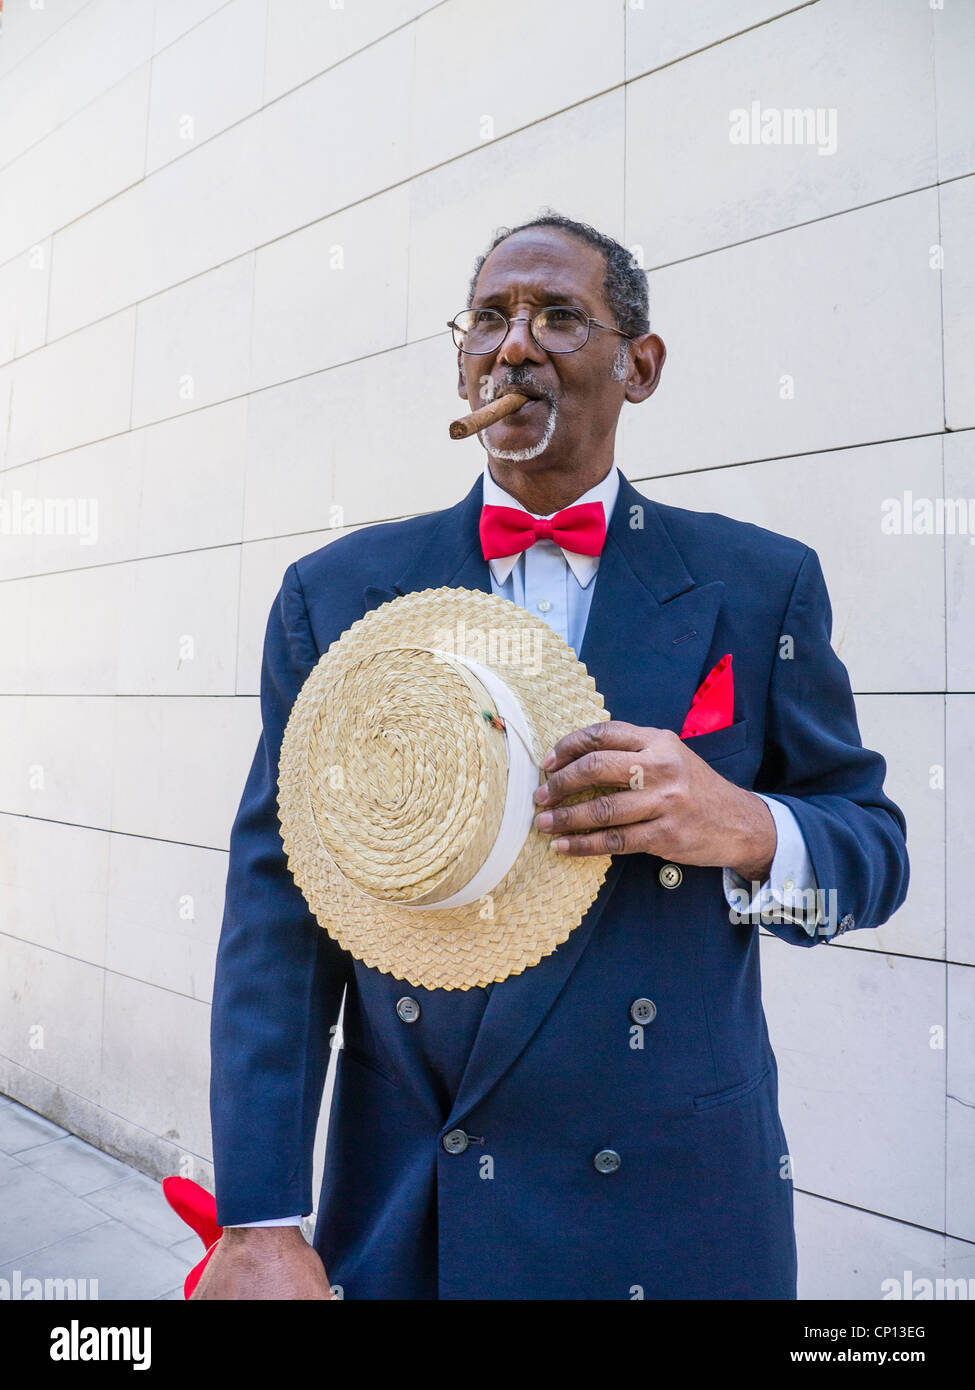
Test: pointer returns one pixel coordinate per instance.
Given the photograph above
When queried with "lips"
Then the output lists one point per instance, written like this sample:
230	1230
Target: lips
528	391
525	414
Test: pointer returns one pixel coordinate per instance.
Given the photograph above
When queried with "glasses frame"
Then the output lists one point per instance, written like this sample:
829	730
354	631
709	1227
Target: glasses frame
556	352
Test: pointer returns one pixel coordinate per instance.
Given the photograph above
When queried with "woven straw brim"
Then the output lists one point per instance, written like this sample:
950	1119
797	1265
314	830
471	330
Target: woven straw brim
391	787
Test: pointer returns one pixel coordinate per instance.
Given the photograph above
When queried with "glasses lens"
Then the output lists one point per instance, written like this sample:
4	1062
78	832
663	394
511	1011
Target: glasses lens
479	330
560	329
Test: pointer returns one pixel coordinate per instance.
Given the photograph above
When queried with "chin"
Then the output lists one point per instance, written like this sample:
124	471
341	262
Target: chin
529	452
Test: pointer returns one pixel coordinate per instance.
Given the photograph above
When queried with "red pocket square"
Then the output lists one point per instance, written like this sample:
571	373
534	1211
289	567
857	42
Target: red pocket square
713	707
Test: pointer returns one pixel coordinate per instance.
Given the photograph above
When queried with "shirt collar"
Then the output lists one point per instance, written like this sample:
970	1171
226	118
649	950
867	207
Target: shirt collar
583	567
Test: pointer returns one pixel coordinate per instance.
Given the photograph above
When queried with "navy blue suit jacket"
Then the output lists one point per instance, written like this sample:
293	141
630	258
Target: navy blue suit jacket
550	1068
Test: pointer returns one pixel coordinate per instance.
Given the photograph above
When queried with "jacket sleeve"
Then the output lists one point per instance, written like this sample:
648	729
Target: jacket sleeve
279	976
815	764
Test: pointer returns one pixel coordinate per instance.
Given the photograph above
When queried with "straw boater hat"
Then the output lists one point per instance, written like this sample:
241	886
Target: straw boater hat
405	789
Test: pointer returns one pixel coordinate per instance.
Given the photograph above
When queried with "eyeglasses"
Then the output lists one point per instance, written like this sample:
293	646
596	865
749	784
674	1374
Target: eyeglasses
559	328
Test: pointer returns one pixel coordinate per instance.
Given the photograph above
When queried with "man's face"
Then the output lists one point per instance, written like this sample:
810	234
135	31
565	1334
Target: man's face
528	271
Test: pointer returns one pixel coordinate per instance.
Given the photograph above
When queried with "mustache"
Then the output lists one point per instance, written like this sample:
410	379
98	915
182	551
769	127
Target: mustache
518	379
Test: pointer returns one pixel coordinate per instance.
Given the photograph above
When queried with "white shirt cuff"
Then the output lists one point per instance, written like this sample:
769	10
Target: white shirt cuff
274	1221
790	893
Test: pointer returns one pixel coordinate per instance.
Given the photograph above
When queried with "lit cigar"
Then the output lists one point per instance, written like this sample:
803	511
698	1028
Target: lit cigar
480	419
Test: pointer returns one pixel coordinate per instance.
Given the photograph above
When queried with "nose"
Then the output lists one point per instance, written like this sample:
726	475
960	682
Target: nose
519	345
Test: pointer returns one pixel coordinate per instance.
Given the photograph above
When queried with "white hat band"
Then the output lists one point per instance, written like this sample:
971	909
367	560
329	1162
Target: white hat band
519	806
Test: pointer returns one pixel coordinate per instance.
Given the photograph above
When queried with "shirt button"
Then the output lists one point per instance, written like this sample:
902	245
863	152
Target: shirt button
455	1142
408	1009
789	884
606	1161
543	605
670	876
643	1011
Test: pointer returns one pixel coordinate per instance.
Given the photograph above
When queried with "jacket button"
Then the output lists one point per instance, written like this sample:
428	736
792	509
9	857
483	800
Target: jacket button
606	1161
670	876
846	923
643	1011
455	1141
408	1009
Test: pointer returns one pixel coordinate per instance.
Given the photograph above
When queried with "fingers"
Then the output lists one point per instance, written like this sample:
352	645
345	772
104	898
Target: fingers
615	839
644	763
610	754
609	769
599	813
613	733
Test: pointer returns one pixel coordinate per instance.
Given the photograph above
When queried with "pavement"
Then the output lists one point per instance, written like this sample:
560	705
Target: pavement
70	1212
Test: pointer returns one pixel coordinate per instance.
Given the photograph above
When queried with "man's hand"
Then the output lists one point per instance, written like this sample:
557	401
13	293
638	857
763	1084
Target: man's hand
263	1262
672	803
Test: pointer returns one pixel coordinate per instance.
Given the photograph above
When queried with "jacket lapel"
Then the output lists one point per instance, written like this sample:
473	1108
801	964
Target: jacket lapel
452	558
647	638
649	628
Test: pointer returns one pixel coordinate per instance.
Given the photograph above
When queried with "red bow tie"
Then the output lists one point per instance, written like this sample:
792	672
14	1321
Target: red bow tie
508	530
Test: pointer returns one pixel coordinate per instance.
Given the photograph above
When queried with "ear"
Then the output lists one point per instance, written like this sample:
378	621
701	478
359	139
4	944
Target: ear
461	381
648	355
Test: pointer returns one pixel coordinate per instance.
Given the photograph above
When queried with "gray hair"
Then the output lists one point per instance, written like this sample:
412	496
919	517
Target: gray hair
625	283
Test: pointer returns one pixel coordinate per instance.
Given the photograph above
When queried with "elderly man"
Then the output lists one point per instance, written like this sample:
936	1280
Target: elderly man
625	1086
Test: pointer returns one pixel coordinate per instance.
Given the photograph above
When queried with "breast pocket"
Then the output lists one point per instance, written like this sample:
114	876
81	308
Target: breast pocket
721	743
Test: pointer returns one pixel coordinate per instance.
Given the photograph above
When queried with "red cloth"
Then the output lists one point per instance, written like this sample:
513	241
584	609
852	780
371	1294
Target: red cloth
713	707
198	1208
508	530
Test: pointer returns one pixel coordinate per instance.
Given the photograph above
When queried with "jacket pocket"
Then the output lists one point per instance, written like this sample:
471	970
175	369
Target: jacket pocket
721	743
731	1093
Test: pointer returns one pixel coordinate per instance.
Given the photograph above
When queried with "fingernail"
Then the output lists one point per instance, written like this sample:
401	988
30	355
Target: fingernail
561	845
544	821
541	793
549	759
